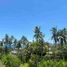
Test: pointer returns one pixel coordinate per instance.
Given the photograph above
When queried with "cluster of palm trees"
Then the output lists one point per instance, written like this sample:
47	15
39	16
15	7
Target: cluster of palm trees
59	36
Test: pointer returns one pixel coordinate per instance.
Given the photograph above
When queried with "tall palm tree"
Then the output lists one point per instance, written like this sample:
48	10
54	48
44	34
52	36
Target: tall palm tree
39	39
54	34
38	34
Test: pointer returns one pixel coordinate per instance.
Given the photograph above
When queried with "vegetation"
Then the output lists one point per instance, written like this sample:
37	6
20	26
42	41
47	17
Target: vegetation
38	53
51	63
10	60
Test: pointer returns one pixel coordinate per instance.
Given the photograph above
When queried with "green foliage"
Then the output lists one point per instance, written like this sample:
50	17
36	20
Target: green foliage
25	65
33	61
33	53
10	60
51	63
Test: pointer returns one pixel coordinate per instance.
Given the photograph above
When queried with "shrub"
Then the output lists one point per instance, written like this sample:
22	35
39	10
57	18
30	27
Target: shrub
51	63
24	65
10	61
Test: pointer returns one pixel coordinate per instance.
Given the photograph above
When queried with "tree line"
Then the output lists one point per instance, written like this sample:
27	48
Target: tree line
35	51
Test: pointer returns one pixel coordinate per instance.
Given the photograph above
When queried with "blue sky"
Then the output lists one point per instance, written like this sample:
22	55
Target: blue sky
19	17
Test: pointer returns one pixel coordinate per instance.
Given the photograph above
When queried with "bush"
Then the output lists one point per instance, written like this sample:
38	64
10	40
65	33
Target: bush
52	63
24	65
33	61
10	61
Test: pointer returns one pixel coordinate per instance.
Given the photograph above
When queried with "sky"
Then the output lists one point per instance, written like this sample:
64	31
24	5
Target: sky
19	17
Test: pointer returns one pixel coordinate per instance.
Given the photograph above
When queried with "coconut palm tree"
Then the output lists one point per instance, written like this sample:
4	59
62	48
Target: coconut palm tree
39	39
38	34
54	34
